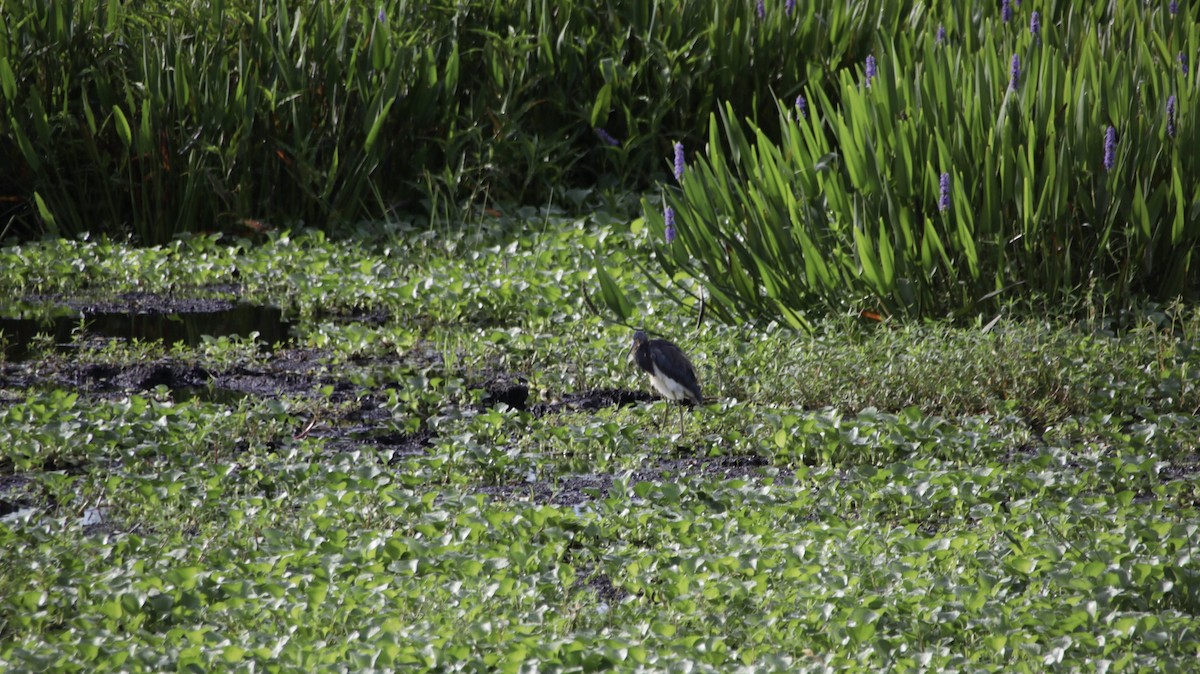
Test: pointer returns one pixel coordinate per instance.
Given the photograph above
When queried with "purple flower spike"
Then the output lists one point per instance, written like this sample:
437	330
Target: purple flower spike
870	69
1035	24
1173	8
382	16
669	216
944	197
802	106
1006	10
762	9
941	34
1183	63
679	163
1014	73
605	137
1110	148
1171	103
789	7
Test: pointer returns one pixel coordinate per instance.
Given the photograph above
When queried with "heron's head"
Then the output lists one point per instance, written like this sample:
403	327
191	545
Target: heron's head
639	339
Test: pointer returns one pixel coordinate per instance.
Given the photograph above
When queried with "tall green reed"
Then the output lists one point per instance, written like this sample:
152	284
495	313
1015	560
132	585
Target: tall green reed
183	115
844	210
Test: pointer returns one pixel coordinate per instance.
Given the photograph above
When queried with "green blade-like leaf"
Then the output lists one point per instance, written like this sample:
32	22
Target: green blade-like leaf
377	125
601	106
44	212
616	300
123	131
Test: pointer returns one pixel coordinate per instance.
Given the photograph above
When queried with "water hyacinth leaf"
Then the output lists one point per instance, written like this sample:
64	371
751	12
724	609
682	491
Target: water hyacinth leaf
1023	564
316	593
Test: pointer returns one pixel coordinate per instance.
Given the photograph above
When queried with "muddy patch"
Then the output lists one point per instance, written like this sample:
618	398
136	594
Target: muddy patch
200	300
32	326
506	390
391	444
590	401
578	490
190	380
16	496
604	589
354	413
361	418
567	490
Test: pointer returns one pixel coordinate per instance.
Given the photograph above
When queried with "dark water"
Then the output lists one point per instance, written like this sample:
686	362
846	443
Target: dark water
188	328
208	394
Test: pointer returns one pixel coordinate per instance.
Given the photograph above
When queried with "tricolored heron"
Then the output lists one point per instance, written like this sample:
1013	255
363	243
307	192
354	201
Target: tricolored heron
670	371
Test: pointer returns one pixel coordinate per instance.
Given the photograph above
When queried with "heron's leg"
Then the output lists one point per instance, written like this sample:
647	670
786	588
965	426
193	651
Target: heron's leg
681	419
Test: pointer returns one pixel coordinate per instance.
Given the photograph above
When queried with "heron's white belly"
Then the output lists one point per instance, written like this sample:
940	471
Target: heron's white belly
668	388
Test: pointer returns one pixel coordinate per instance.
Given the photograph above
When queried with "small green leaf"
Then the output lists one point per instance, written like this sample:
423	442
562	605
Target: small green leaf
31	600
316	593
1023	565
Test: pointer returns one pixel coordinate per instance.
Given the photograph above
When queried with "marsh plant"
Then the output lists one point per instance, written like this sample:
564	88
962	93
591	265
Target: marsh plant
907	496
950	176
190	116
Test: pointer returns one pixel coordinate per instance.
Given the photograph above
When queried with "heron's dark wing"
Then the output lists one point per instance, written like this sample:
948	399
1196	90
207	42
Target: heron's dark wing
641	355
672	362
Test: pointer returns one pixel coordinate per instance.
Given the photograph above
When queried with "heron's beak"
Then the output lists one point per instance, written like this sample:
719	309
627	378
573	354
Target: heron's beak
629	356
